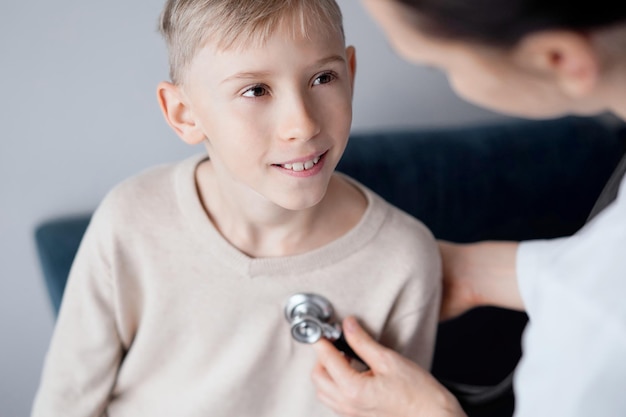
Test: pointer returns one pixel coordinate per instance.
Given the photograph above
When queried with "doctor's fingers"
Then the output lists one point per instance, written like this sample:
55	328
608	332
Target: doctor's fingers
333	366
327	391
341	407
380	359
337	390
347	403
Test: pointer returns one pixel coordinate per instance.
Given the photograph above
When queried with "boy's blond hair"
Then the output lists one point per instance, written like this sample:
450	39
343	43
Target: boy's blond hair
188	25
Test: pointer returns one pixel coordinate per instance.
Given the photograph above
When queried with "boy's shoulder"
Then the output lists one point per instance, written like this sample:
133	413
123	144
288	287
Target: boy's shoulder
155	190
398	228
409	235
405	247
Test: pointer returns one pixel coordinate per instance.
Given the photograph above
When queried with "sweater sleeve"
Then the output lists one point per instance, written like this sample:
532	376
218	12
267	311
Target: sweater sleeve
85	352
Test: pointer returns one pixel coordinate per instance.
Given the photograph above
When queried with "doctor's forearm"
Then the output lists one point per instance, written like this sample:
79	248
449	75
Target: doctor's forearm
479	274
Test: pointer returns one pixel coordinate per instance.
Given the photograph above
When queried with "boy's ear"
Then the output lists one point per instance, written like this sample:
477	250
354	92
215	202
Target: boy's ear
351	57
567	57
178	114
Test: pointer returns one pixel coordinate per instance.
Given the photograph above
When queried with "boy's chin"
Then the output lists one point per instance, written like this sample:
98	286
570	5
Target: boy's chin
299	206
301	202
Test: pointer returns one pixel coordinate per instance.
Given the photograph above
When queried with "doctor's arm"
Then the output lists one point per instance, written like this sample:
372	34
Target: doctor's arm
479	274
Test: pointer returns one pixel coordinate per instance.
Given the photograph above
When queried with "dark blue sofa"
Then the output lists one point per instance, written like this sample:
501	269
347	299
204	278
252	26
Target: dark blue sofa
511	180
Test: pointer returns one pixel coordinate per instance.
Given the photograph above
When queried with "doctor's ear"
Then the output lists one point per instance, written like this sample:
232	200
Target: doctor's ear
178	114
569	58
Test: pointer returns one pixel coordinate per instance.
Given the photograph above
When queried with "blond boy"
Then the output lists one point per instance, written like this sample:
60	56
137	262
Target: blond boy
174	306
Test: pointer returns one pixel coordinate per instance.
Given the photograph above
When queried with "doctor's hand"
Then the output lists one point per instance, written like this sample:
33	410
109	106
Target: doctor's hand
393	387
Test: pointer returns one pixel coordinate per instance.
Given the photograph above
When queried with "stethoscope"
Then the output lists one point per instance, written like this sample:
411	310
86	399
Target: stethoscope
311	318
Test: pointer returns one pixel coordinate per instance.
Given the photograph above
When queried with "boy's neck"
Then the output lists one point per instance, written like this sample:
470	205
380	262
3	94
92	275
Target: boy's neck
262	229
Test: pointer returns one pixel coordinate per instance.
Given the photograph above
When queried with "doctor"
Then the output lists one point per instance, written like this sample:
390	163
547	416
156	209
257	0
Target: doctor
535	59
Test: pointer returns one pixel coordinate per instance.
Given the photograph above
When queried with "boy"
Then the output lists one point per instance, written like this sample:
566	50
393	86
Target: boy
174	306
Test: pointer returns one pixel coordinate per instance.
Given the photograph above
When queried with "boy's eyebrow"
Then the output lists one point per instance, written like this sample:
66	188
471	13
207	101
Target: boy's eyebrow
260	74
328	60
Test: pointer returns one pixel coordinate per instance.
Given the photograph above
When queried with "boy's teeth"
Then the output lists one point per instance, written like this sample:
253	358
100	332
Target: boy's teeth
301	166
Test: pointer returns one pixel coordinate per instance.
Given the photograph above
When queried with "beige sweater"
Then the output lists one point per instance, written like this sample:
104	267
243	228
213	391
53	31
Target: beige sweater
163	317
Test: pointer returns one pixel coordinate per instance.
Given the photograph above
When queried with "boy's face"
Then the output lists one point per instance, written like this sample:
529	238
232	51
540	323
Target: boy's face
277	117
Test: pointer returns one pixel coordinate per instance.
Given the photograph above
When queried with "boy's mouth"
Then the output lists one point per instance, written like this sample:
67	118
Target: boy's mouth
303	165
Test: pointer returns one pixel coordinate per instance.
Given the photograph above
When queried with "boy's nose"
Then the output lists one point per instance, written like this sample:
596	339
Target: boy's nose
298	121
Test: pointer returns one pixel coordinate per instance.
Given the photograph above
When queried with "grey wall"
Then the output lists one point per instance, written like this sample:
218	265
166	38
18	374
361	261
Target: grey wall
78	114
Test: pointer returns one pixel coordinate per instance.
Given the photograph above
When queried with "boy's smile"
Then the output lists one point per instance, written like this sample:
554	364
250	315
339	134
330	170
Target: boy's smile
304	166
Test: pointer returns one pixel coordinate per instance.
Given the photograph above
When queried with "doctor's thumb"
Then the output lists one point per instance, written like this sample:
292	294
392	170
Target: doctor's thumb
375	355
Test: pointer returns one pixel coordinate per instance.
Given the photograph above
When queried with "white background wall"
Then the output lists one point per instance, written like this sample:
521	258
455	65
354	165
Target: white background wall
78	114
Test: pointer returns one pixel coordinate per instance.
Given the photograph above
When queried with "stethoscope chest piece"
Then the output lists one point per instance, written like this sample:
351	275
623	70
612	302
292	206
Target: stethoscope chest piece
309	316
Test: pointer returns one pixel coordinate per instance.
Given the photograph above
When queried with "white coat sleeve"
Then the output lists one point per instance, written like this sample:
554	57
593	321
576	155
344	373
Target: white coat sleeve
574	348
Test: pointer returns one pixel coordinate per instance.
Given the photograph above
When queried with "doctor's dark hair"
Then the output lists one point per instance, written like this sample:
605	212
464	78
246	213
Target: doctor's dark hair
188	25
504	22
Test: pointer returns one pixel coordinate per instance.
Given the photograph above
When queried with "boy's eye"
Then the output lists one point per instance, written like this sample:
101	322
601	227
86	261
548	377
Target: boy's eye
256	91
324	79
